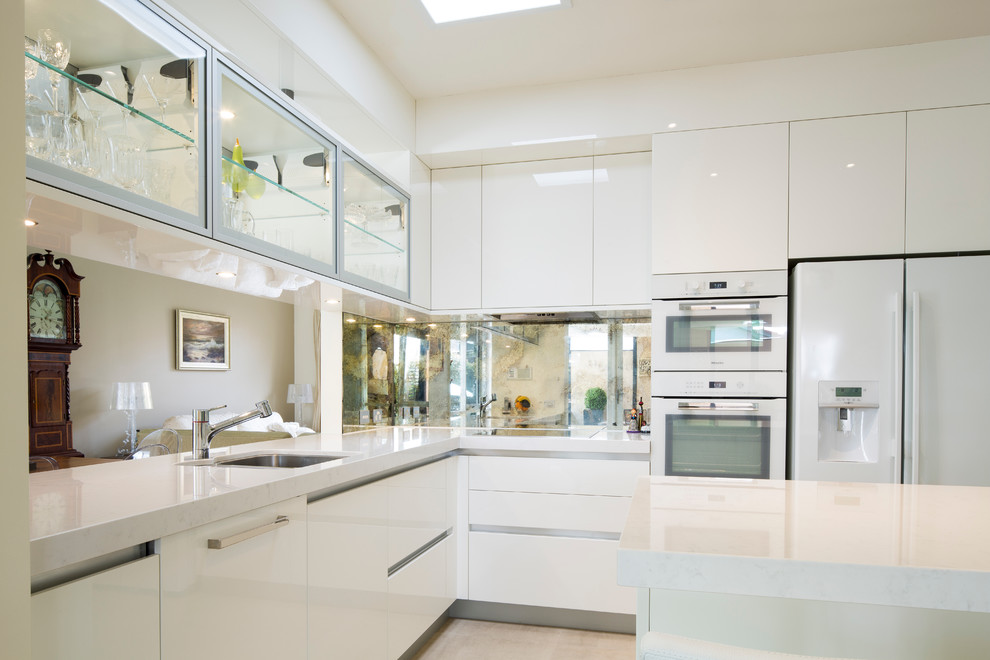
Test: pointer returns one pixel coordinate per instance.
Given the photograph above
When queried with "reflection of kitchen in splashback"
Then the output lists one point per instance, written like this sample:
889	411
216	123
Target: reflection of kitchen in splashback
439	373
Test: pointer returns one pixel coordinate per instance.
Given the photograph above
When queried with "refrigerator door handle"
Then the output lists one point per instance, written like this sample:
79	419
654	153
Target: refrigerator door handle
896	458
915	386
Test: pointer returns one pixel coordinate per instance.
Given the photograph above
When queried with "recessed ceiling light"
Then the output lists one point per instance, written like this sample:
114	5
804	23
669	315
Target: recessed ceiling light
432	325
410	319
350	320
28	222
377	325
448	11
672	125
850	164
226	274
331	301
227	114
713	174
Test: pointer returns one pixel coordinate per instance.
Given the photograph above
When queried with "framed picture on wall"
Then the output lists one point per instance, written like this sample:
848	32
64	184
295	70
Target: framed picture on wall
202	341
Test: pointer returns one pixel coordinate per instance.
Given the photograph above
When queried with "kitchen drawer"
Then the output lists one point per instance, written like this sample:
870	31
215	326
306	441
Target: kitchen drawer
348	573
575	476
418	594
587	513
547	571
417	509
111	614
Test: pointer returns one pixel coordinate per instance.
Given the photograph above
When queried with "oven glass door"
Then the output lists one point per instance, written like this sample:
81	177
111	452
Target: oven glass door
723	439
744	335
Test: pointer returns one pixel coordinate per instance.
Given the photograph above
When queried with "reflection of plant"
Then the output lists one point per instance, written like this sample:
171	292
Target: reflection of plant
595	399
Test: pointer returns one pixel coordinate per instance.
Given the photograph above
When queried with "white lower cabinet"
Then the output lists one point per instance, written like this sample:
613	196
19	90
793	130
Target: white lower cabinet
111	614
381	564
544	531
348	571
548	571
236	588
418	594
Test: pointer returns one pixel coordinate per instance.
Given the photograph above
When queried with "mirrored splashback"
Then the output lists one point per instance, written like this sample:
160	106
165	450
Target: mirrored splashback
541	376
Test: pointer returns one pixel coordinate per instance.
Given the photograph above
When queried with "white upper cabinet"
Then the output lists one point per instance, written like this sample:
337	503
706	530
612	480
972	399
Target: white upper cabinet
948	179
720	200
537	234
847	186
456	238
622	225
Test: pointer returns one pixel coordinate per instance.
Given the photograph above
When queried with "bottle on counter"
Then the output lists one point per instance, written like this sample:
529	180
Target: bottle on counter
634	421
643	426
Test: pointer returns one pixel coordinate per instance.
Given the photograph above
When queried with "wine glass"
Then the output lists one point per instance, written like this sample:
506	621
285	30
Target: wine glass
30	69
162	88
54	49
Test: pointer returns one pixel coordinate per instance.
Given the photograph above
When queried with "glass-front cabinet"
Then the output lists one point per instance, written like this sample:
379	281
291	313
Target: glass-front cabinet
375	230
114	106
276	178
125	106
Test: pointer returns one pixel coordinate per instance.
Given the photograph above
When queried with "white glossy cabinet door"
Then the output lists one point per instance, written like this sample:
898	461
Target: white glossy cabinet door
574	476
247	600
456	238
548	571
720	200
110	615
847	186
418	594
348	565
622	229
417	509
537	234
948	179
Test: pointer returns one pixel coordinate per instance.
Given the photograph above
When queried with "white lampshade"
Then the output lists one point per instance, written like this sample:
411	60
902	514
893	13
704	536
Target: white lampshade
300	393
130	396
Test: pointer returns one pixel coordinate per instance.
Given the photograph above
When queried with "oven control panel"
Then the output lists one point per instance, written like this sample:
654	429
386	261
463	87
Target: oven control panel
720	285
719	384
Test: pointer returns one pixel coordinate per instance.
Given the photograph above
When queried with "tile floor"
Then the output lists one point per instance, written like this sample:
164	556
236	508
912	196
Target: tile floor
465	639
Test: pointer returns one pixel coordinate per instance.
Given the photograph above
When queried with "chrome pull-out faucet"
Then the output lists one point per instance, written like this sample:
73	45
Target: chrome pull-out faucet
202	432
484	407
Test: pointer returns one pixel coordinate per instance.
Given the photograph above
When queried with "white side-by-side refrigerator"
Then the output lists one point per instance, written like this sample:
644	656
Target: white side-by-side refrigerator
890	371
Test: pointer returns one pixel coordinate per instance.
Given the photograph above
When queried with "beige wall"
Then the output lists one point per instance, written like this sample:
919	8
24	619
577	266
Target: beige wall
127	323
14	568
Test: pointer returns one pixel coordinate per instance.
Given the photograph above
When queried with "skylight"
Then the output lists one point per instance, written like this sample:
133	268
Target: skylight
448	11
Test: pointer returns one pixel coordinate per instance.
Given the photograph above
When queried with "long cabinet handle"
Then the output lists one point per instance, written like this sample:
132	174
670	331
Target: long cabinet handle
699	307
716	405
915	387
896	457
233	539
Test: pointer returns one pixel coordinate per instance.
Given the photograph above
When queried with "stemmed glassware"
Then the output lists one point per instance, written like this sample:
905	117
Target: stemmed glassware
54	49
162	88
30	69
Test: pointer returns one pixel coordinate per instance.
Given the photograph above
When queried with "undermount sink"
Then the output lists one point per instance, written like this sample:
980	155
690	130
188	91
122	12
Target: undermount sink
271	460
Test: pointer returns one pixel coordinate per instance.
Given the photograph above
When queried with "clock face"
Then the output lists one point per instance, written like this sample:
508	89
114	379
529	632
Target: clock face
46	311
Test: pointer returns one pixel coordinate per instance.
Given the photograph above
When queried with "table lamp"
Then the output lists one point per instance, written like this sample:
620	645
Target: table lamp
299	393
130	397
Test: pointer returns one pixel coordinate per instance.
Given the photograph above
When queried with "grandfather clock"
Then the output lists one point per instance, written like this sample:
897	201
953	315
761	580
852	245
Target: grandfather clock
53	333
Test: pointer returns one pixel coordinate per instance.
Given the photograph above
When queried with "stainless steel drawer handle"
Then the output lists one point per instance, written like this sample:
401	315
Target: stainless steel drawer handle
233	539
699	307
719	405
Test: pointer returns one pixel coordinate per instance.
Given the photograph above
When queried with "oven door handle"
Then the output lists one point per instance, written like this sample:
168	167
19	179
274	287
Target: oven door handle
705	307
716	405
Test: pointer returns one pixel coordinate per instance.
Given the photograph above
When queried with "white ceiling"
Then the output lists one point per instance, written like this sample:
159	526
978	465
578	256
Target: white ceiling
604	38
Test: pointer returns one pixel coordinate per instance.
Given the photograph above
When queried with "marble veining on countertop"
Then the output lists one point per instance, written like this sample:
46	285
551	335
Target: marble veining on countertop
888	544
79	513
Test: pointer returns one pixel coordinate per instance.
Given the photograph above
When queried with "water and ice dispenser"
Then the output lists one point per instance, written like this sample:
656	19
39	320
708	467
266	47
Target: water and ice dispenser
848	414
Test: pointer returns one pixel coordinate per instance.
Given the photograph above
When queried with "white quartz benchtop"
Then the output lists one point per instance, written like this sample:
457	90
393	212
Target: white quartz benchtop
85	512
884	544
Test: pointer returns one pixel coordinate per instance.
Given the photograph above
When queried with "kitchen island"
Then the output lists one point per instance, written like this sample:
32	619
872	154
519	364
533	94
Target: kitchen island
861	570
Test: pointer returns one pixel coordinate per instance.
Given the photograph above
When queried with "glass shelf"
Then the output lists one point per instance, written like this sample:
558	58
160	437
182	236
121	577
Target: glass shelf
288	214
181	140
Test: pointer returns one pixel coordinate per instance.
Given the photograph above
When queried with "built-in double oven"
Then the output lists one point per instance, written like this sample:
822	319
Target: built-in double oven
719	374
